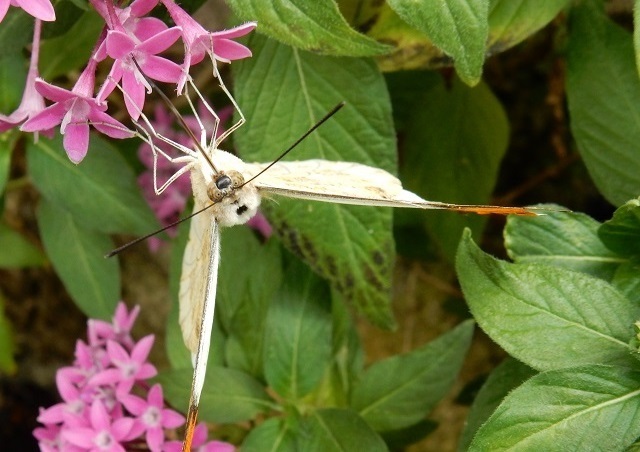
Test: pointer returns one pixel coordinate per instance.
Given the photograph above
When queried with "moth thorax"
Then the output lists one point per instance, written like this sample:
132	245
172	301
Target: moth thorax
223	184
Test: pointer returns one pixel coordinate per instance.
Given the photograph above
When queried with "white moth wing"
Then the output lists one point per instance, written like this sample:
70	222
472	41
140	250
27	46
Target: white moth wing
338	182
352	183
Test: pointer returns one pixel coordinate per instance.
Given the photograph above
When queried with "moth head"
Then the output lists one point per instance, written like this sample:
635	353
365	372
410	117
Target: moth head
223	184
235	202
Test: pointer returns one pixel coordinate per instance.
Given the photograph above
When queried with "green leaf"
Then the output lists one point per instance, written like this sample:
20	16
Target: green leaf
627	281
7	143
603	92
77	42
316	26
249	277
8	364
453	145
335	429
297	345
77	255
17	252
546	316
101	193
399	391
563	239
459	27
636	32
68	12
273	435
283	91
228	396
580	408
16	31
505	378
622	233
512	21
13	73
403	438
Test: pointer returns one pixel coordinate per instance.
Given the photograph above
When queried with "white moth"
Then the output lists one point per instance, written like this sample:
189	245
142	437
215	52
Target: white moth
226	184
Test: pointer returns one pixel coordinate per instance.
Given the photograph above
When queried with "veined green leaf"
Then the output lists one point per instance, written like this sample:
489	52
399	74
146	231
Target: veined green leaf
603	92
316	26
459	27
228	396
273	435
546	316
101	192
17	251
622	233
504	379
512	21
77	255
334	429
579	408
399	391
297	345
627	280
249	277
563	239
283	91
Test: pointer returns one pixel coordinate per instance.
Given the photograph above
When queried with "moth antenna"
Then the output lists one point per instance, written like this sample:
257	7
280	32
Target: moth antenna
151	234
332	112
178	116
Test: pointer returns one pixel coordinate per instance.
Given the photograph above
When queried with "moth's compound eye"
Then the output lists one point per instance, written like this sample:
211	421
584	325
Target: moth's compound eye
236	178
223	182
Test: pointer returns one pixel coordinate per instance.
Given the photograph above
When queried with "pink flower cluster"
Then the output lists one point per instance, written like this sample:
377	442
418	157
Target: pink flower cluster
99	411
133	40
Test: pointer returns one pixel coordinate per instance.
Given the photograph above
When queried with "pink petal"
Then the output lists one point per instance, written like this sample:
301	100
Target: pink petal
219	446
172	419
117	353
4	7
76	141
100	419
99	330
230	50
200	434
106	377
134	94
80	436
155	438
52	92
134	404
119	44
53	414
142	348
46	119
122	320
146	371
236	32
154	397
161	41
40	9
121	428
110	82
148	27
109	126
141	8
161	69
68	391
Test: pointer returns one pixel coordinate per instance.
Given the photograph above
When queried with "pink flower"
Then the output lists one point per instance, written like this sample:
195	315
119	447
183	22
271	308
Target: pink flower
198	42
40	9
101	434
75	109
32	102
199	443
119	330
72	405
127	50
152	416
128	367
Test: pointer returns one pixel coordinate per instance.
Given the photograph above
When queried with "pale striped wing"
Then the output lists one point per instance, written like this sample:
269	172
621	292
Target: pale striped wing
352	183
198	286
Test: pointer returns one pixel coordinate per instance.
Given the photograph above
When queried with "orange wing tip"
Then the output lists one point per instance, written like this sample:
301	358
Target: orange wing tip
192	418
500	210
